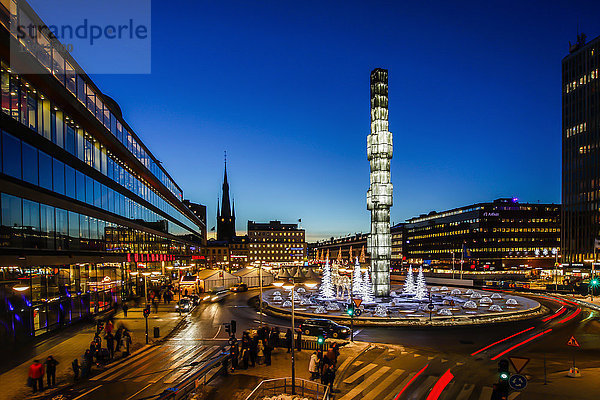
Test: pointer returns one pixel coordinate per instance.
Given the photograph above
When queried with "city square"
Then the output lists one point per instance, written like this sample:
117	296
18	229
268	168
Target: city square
299	201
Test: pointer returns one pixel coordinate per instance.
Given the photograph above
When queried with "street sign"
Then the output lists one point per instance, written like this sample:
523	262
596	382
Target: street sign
518	363
357	302
517	382
431	306
573	342
357	312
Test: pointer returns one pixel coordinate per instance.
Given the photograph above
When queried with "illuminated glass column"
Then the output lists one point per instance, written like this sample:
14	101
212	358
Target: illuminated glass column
379	195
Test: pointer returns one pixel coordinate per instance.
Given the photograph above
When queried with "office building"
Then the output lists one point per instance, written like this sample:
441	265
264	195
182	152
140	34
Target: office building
86	207
580	152
276	243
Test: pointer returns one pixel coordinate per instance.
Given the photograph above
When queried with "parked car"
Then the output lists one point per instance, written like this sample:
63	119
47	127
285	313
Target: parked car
327	327
195	299
239	287
185	305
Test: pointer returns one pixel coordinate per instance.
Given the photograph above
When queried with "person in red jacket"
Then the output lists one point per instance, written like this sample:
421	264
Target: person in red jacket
36	373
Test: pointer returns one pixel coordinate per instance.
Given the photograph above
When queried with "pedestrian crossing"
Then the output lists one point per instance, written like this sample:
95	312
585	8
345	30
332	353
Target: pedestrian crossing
166	363
376	381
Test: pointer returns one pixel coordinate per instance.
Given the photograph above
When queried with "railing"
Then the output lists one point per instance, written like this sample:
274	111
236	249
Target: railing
303	388
184	389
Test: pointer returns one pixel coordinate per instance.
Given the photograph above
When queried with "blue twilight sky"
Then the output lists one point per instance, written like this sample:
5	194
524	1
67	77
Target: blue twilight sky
475	102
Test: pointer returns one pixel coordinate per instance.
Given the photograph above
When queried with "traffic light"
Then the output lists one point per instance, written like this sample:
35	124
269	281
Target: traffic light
320	340
350	310
594	282
233	326
503	376
228	328
146	311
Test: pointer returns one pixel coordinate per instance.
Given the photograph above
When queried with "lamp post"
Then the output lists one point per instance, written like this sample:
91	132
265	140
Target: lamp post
291	284
146	274
555	252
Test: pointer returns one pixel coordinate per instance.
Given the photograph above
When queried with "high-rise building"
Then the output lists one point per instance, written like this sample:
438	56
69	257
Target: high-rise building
226	214
580	152
380	193
85	204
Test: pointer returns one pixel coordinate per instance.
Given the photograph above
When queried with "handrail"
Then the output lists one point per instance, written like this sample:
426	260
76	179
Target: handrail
302	385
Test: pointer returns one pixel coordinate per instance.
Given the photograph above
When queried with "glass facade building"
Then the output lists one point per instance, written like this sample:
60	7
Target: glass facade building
581	152
83	201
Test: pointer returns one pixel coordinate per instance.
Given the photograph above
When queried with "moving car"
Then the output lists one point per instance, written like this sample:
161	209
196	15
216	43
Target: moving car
327	327
216	294
239	287
184	305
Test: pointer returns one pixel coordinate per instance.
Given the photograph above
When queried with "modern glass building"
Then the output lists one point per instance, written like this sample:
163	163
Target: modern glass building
581	152
84	204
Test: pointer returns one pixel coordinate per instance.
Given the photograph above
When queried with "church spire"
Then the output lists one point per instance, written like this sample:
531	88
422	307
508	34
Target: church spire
225	218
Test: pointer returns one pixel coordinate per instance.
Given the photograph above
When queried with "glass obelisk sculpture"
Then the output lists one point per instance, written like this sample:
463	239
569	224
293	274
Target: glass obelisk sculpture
379	195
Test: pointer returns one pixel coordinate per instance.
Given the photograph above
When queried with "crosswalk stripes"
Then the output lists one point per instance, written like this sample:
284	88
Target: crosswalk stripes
121	365
419	392
376	391
365	384
134	369
182	360
486	393
210	352
346	362
466	391
404	382
513	395
359	373
163	356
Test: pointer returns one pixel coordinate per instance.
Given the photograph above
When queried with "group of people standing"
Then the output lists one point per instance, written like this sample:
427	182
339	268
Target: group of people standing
255	348
324	365
37	370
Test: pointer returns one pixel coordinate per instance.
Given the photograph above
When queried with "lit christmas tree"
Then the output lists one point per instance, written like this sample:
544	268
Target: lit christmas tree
409	283
367	288
326	289
356	279
421	290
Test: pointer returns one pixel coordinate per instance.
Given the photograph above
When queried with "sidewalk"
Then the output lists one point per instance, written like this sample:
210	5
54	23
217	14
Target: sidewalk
14	380
238	385
560	386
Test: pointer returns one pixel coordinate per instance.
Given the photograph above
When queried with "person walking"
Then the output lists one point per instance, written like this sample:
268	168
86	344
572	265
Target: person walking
110	345
253	350
329	376
288	340
260	355
125	309
36	376
313	366
75	366
299	340
126	342
268	350
51	364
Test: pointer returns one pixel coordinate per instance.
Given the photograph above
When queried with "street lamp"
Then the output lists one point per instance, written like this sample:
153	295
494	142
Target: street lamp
146	274
290	285
555	252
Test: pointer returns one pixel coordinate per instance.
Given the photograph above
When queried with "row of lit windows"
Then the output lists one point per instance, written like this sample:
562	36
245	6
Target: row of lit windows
44	50
432	235
273	258
531	250
579	128
444	214
515	230
584	80
275	252
268	245
25	104
276	233
531	220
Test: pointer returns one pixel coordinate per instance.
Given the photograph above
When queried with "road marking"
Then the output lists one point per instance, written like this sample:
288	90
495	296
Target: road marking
356	332
145	376
430	358
133	370
88	392
121	365
218	331
373	394
346	362
458	363
111	373
466	391
486	393
513	395
440	385
188	357
139	391
209	353
444	360
415	355
360	373
364	384
403	385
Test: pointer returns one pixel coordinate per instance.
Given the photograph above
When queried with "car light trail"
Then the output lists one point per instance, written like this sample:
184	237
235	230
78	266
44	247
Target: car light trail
440	385
521	344
411	381
501	340
561	310
570	317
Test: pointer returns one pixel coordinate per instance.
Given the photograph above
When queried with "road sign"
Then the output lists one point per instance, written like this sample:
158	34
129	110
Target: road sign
517	382
357	312
573	342
431	306
357	302
518	363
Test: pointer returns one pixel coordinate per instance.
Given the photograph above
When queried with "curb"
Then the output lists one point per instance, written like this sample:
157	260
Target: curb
352	360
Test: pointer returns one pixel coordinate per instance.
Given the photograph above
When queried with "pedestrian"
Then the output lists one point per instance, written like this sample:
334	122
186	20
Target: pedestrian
253	349
110	344
288	340
75	366
329	377
108	327
299	340
268	350
51	364
260	355
118	338
155	304
36	376
245	357
126	341
333	353
277	337
313	366
86	367
125	309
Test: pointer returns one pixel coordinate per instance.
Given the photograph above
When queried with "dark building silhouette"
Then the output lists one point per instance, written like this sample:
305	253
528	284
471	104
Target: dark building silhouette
226	215
580	152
